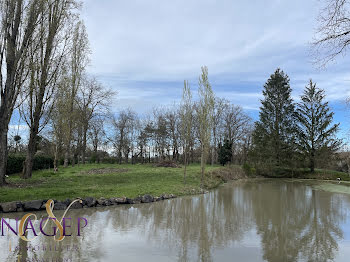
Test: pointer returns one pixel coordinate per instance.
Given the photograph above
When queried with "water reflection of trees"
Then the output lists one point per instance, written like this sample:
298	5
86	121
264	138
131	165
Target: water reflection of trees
193	226
319	239
293	222
298	222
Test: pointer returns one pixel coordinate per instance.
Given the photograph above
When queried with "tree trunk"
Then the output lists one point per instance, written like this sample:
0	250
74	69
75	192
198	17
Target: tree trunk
32	144
73	157
35	122
213	152
83	157
83	151
149	155
28	163
127	157
312	162
55	161
185	163
67	155
232	153
192	155
141	154
202	166
3	151
120	156
66	158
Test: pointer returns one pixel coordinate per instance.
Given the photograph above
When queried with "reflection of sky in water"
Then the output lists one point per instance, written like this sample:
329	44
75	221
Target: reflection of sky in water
244	221
346	226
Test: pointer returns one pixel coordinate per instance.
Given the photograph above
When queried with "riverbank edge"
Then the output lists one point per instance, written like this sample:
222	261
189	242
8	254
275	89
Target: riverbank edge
318	174
87	202
221	176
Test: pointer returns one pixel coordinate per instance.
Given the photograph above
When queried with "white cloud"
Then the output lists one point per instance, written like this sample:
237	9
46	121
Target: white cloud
160	43
152	40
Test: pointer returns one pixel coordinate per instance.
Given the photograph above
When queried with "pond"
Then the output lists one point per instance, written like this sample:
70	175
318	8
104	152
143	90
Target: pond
254	220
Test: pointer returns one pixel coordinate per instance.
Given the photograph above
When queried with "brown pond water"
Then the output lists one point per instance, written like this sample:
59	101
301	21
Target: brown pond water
259	220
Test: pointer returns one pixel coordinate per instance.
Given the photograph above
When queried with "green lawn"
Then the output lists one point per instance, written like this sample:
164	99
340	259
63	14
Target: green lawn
125	180
328	175
305	173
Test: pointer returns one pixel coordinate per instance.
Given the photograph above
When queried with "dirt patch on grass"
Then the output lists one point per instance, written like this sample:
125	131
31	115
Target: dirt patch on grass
167	163
23	184
101	171
13	185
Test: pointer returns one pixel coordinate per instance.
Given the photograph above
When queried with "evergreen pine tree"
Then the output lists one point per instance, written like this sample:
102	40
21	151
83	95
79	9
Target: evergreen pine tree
225	152
274	132
316	133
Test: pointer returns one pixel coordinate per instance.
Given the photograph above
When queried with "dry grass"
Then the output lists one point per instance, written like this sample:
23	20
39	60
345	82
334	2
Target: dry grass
228	173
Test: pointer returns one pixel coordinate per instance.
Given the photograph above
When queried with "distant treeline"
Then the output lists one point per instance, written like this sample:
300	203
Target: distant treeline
287	134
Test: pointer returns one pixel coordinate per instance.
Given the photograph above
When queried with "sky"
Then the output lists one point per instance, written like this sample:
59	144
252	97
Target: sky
144	50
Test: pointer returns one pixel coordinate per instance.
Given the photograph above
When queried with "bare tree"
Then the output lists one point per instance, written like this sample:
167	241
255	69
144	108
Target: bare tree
332	36
123	126
161	134
205	109
47	53
172	118
219	107
143	139
78	63
235	123
133	138
93	99
96	133
59	117
149	136
19	18
186	122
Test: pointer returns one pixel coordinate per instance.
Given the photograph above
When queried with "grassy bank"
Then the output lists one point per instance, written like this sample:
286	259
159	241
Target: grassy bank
107	180
305	173
112	180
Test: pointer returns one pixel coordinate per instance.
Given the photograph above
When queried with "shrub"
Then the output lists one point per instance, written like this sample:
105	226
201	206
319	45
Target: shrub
249	170
61	161
229	173
93	158
167	163
109	160
15	163
42	162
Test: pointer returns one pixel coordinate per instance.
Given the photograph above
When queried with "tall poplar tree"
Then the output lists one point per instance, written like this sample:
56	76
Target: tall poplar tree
205	109
274	132
315	129
47	56
18	21
186	114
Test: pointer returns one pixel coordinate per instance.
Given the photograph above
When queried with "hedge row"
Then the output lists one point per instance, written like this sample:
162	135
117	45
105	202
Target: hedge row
15	163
